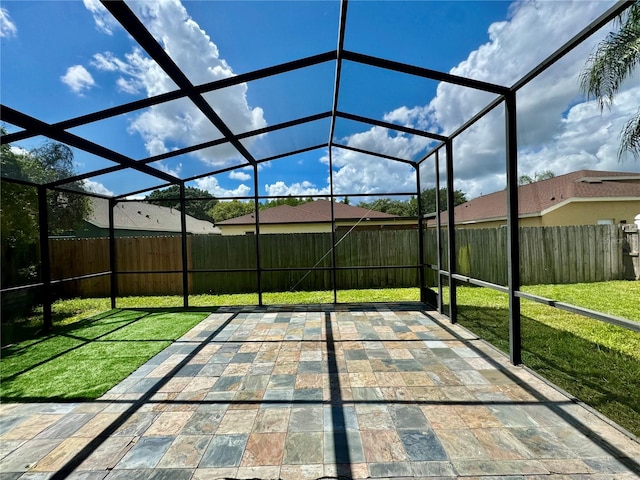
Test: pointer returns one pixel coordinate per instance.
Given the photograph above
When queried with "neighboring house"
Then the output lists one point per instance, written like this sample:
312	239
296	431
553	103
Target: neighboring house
138	219
584	197
314	217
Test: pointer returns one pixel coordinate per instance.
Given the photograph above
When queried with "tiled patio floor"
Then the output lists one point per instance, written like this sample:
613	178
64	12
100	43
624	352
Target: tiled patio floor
380	391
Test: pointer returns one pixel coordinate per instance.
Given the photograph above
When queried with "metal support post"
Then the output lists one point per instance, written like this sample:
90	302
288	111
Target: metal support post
513	240
451	229
45	261
426	295
185	257
257	218
113	277
334	258
438	230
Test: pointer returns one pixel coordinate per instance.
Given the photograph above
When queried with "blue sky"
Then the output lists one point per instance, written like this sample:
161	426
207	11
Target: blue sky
49	74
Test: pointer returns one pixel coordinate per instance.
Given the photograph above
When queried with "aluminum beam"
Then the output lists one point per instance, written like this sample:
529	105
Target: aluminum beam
41	128
139	32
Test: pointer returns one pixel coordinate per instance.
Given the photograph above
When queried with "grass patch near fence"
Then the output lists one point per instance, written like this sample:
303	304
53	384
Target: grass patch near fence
615	298
619	297
84	359
66	312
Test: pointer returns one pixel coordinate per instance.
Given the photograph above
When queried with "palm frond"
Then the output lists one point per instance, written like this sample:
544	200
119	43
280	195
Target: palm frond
614	59
630	138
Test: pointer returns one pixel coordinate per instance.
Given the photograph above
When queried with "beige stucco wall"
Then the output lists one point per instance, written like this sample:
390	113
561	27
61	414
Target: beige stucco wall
524	222
276	228
589	212
574	212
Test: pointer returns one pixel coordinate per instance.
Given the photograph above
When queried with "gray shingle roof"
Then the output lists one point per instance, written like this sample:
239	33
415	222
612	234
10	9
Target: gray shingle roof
145	216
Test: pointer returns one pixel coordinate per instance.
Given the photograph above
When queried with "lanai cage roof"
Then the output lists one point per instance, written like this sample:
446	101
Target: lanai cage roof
349	98
258	100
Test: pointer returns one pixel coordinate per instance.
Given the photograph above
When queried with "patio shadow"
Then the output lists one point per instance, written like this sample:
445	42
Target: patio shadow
599	376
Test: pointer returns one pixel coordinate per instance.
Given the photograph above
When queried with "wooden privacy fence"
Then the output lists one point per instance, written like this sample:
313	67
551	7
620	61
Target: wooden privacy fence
548	255
227	264
631	252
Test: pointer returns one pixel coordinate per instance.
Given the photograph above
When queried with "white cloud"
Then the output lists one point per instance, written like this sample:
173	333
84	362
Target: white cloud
358	173
7	27
103	19
211	185
179	123
108	62
78	79
355	172
97	187
139	73
373	177
557	130
171	171
384	141
238	175
296	189
514	48
416	117
587	139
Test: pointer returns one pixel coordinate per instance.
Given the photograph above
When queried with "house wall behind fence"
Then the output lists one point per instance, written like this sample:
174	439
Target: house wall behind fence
572	254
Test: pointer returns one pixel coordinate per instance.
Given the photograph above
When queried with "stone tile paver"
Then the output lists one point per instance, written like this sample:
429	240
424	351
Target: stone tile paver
301	392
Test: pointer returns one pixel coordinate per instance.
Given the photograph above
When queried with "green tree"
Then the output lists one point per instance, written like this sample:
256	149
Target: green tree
614	60
400	208
230	209
409	208
291	201
429	199
47	163
19	206
537	177
19	229
170	197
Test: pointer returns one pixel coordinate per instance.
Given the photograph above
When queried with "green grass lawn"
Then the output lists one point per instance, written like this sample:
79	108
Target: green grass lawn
596	362
66	312
615	298
619	298
84	359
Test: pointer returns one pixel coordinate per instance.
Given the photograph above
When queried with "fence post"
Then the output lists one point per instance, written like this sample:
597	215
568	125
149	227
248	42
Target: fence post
630	255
